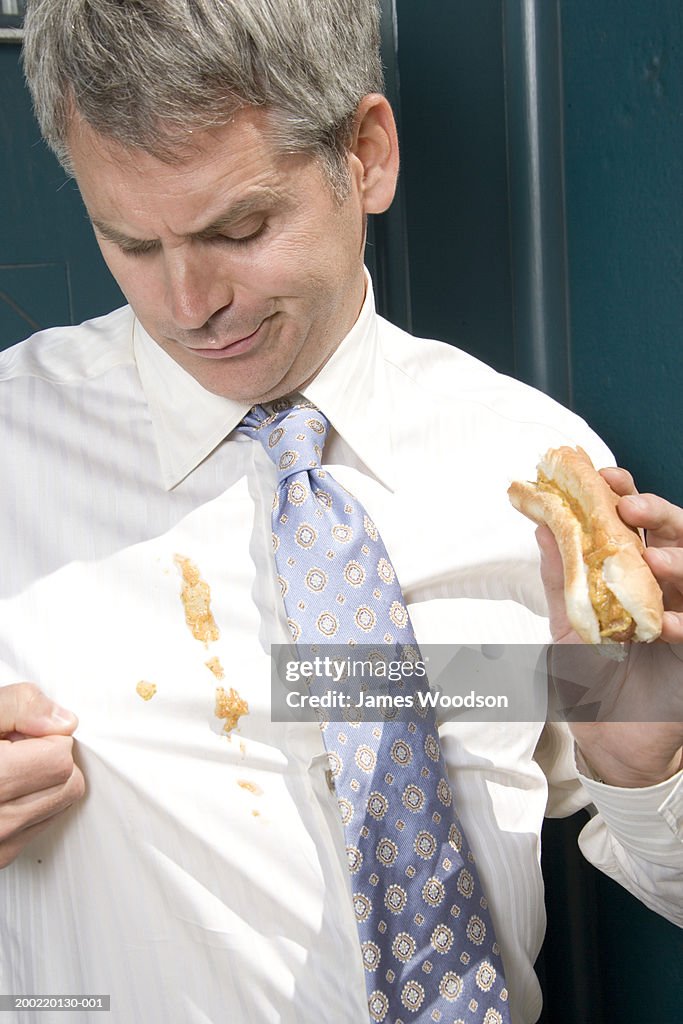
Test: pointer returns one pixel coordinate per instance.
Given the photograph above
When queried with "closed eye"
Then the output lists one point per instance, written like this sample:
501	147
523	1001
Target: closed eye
145	247
242	239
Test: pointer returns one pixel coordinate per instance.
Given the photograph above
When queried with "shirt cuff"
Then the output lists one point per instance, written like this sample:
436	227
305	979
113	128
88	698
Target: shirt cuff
648	822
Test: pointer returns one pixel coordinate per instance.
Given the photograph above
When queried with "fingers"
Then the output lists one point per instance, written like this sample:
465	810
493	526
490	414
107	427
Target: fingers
32	765
620	480
666	564
664	553
25	709
661	519
22	818
672	627
645	511
38	776
667	567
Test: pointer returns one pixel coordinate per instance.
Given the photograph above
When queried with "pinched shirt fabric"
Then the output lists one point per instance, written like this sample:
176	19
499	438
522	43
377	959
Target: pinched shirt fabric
427	941
204	875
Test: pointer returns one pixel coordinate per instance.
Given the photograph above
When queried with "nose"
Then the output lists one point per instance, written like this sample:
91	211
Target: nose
197	286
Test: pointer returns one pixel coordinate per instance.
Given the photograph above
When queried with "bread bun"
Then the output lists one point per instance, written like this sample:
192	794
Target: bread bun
610	592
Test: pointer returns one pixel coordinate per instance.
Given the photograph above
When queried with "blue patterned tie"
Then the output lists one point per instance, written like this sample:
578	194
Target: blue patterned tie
426	936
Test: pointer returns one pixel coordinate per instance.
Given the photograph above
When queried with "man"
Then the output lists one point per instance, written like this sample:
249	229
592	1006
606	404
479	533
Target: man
228	155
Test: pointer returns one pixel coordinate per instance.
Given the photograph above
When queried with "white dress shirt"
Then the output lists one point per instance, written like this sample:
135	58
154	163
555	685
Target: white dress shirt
203	877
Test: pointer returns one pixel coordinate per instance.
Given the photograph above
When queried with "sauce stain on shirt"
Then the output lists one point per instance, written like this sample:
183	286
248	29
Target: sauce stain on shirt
214	665
196	598
251	787
146	690
230	706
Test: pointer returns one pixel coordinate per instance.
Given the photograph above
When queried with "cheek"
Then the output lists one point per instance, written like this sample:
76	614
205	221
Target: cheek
304	271
315	254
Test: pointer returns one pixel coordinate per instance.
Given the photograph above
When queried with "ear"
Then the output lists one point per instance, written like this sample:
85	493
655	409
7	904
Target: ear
373	153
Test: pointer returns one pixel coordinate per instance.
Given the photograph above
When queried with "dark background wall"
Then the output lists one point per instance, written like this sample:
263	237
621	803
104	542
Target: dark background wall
539	225
51	271
618	126
623	115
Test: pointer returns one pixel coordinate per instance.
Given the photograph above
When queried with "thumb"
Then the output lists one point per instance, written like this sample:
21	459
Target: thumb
552	574
26	710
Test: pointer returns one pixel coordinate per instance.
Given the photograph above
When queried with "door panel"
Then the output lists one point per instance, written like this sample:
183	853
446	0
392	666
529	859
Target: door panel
623	113
33	295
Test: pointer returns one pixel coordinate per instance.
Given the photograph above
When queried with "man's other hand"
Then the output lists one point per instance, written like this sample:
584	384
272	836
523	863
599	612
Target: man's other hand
38	776
640	741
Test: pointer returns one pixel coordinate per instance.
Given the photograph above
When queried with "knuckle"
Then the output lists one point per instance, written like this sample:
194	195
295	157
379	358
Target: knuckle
77	784
25	693
62	761
69	789
17	696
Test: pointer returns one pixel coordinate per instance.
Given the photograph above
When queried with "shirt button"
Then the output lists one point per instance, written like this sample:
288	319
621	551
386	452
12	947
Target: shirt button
329	778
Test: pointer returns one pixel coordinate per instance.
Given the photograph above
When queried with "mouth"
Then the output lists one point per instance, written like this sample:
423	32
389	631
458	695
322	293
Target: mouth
228	349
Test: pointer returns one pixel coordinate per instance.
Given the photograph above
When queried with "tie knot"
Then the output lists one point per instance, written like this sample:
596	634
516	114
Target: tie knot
292	433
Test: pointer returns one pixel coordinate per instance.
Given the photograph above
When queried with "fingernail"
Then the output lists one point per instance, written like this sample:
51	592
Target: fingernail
661	555
60	716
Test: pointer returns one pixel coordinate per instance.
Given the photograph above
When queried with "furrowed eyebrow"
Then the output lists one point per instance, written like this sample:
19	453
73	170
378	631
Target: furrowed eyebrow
262	201
118	237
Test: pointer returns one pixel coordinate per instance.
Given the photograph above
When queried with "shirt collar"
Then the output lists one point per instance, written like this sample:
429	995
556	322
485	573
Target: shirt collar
189	422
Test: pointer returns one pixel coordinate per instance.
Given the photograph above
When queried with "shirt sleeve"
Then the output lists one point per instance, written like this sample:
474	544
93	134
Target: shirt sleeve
634	835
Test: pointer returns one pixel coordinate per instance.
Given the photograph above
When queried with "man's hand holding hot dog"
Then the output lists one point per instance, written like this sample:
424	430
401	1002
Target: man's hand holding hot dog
664	553
631	749
38	776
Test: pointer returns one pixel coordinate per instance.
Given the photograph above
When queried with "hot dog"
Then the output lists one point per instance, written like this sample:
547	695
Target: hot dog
610	592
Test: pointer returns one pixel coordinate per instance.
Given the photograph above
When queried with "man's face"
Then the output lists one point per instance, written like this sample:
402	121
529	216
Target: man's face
238	261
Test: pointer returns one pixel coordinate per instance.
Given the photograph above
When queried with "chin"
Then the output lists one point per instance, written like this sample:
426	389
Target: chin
229	385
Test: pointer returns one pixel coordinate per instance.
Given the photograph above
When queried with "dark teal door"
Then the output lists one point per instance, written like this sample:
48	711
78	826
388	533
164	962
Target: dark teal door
51	271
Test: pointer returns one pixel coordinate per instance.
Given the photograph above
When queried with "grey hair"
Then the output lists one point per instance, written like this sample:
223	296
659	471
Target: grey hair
149	73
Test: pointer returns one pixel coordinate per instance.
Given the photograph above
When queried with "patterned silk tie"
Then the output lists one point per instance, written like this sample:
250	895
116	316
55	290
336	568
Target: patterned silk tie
426	935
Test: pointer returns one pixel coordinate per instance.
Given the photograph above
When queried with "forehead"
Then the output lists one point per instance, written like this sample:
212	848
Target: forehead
214	166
